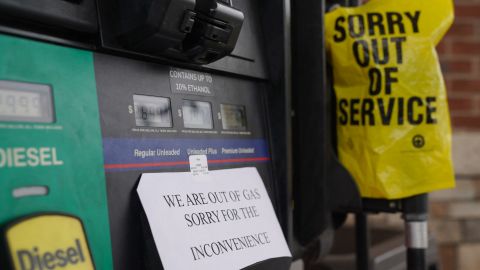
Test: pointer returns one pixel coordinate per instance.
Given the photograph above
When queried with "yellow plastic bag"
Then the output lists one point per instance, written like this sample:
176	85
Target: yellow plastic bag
392	115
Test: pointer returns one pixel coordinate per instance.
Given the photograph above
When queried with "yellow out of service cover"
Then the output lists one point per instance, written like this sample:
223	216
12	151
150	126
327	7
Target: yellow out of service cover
392	115
49	241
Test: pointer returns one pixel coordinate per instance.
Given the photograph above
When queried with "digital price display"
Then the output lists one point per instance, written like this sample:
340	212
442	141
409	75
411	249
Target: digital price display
152	111
26	102
197	114
234	117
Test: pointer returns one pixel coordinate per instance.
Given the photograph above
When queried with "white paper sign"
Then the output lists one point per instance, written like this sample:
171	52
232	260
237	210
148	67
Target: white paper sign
222	221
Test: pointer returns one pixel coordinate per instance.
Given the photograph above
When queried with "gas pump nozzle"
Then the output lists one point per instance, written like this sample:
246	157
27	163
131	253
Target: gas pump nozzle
215	31
196	31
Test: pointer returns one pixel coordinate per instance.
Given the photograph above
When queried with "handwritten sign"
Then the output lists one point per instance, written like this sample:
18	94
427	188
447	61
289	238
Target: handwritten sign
223	221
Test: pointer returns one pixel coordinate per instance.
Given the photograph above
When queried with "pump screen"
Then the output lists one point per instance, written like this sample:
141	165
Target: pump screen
152	111
233	117
25	102
197	114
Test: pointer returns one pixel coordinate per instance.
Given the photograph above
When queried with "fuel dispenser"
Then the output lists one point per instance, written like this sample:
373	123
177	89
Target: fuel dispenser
95	93
323	190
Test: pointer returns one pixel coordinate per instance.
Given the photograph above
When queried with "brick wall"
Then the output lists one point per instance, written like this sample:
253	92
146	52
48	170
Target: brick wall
455	214
460	58
455	222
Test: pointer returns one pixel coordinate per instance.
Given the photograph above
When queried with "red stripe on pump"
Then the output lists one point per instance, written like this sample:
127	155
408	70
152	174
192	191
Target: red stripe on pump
176	163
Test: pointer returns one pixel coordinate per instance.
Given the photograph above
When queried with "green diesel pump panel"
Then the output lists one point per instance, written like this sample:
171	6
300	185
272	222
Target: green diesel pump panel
50	140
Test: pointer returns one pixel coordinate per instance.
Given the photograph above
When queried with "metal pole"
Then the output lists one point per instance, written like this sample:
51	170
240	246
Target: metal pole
415	214
362	241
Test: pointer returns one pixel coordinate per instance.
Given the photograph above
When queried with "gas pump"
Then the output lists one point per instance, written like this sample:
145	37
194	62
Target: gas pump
323	190
95	93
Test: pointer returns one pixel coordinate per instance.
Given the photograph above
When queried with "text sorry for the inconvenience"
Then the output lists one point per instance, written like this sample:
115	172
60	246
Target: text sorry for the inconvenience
230	214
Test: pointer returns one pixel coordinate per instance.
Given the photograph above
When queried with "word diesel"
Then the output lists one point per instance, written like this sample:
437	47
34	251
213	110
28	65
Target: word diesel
61	258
